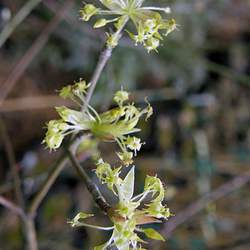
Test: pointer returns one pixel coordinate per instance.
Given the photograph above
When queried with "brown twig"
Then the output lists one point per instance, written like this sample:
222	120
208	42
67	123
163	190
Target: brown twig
32	102
87	28
60	164
17	19
12	162
197	206
32	52
12	207
6	87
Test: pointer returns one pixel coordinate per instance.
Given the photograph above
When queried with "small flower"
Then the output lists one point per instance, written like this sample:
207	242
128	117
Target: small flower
54	140
56	130
77	219
66	92
88	11
157	210
106	175
120	97
126	157
133	143
148	22
154	185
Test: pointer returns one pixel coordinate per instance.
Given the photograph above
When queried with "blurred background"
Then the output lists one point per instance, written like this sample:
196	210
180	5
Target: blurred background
197	141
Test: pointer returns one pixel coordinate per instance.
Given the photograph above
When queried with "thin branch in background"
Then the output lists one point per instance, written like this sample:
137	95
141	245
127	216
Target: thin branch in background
12	162
12	207
32	102
76	23
91	186
32	52
60	164
17	19
197	206
27	221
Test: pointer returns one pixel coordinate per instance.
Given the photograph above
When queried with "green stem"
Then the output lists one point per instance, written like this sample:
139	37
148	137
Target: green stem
95	227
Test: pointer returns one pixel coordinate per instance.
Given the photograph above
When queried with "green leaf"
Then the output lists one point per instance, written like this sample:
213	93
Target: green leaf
128	184
101	247
153	234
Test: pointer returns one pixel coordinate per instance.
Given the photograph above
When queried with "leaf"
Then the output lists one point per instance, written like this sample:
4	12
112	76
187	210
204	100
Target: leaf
128	184
101	247
153	234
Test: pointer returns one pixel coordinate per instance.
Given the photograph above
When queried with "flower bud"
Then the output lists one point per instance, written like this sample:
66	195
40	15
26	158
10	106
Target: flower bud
100	23
88	11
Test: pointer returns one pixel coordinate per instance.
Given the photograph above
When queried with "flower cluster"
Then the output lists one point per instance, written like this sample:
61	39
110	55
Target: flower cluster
126	216
149	24
116	124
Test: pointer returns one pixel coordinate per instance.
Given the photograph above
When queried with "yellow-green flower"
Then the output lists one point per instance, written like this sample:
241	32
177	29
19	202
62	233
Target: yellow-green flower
149	25
115	124
125	216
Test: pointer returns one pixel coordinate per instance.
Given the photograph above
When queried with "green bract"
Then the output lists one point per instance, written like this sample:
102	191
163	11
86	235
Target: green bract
113	125
149	25
126	217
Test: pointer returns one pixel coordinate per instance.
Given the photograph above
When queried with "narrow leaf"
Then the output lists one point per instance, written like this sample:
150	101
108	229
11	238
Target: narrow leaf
153	234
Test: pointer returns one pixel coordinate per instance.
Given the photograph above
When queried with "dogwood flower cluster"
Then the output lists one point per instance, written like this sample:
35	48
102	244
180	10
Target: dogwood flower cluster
116	124
149	25
128	216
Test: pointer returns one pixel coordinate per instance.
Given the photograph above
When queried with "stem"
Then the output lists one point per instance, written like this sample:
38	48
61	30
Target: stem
12	162
32	52
95	227
17	19
91	186
12	207
103	59
31	239
62	161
